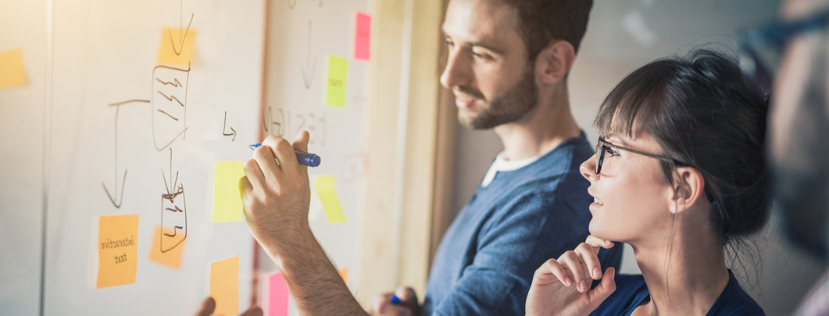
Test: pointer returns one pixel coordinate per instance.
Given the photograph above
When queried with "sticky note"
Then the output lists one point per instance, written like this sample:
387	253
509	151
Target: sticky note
362	37
117	250
344	274
330	203
177	46
227	198
12	69
277	295
172	257
224	286
335	87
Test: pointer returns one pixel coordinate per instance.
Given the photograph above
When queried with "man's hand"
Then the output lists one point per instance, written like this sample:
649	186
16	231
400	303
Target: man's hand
562	287
381	304
209	305
275	190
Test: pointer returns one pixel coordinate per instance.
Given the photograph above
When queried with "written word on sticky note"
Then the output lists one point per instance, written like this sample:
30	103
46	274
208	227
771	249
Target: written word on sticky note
362	37
117	250
337	76
177	46
330	203
171	257
344	274
277	295
12	69
227	198
224	286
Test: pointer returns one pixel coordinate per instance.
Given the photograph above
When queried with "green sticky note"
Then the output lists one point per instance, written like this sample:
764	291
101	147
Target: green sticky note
227	197
335	86
328	196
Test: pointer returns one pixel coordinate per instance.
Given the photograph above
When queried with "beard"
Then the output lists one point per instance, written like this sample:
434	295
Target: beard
511	106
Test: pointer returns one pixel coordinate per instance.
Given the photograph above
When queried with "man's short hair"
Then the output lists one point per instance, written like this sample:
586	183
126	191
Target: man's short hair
542	21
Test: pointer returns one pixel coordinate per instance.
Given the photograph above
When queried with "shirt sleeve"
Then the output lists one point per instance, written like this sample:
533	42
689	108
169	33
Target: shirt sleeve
511	246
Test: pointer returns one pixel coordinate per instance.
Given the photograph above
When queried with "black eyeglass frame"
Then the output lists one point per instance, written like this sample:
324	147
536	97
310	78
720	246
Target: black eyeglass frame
602	145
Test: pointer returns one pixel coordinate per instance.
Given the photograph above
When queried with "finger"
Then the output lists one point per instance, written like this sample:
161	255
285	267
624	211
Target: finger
207	307
590	259
570	260
598	242
283	151
408	296
301	144
554	268
605	288
267	163
252	311
254	174
245	189
379	301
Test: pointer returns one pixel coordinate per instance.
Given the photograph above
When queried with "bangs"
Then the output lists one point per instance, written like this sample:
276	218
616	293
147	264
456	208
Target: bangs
637	102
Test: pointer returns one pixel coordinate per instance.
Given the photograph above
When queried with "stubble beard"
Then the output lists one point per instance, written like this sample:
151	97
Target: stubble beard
508	108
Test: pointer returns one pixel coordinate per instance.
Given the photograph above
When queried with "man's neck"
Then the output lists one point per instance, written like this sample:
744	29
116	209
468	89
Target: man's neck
540	130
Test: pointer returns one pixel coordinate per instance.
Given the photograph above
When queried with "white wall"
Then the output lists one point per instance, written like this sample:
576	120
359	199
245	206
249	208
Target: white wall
623	35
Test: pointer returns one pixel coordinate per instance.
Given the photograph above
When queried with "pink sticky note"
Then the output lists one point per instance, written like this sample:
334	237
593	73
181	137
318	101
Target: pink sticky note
278	295
362	37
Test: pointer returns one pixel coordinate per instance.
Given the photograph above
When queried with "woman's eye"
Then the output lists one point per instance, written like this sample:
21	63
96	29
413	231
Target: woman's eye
613	152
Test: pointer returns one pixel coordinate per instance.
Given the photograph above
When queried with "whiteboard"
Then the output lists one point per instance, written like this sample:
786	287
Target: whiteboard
127	129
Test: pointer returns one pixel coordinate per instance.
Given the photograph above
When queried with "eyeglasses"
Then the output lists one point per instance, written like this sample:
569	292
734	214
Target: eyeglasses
762	47
603	145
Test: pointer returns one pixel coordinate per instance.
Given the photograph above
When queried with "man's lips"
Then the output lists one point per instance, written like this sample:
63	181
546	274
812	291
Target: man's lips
464	102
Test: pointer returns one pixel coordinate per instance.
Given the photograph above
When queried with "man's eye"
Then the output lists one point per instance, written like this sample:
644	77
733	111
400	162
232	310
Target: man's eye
481	56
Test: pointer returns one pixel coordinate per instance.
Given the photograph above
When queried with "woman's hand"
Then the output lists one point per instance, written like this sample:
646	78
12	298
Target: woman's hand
562	287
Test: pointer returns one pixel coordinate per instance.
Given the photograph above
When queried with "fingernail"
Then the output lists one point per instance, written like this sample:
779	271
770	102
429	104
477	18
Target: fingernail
567	282
597	273
582	286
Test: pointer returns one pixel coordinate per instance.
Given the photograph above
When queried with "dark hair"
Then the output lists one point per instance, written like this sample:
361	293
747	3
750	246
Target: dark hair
702	113
542	21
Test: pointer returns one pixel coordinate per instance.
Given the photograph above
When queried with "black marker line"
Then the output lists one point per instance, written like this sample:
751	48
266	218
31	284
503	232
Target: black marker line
182	39
305	78
168	114
171	98
175	83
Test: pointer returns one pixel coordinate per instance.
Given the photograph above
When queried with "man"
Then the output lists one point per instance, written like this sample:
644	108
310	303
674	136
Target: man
508	64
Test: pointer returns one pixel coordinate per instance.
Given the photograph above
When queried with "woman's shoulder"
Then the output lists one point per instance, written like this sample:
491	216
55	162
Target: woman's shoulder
630	291
734	301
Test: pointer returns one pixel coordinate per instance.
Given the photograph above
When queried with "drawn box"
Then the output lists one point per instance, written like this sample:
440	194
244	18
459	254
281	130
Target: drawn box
173	219
169	100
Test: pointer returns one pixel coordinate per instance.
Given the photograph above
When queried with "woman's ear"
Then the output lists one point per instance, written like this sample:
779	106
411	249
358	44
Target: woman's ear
689	189
554	62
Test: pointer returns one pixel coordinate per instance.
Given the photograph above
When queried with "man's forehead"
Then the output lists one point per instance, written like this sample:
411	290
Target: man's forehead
479	20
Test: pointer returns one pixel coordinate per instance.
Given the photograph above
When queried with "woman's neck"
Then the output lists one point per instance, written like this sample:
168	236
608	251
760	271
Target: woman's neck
686	273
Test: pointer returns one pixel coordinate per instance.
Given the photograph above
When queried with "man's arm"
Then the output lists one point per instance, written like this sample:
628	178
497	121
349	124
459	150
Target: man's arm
276	198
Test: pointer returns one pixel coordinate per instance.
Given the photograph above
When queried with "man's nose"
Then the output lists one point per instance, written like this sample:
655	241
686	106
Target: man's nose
457	72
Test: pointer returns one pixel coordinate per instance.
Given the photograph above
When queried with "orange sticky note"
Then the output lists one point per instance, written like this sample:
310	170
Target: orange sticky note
177	46
224	286
12	69
117	250
227	198
344	274
171	257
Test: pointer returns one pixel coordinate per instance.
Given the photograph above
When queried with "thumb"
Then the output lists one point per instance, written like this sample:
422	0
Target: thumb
604	289
301	141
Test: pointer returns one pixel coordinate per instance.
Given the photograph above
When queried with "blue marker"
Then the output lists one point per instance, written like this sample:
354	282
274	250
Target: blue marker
308	159
395	300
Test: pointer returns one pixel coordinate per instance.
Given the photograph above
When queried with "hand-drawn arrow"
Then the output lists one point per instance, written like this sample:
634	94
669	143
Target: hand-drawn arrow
114	197
224	129
308	78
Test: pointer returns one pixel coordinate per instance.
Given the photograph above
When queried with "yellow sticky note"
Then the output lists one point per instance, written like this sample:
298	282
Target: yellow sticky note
117	250
12	69
227	199
170	257
224	286
335	86
177	46
344	274
328	196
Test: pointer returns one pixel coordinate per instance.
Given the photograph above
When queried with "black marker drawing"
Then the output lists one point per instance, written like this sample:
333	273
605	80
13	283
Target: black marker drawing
180	37
292	3
115	197
169	100
173	212
314	124
224	129
309	77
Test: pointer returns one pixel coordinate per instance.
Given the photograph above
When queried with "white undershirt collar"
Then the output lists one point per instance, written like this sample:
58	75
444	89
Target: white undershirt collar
502	164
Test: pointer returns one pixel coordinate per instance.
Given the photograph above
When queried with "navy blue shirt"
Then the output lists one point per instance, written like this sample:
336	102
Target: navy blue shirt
631	290
486	260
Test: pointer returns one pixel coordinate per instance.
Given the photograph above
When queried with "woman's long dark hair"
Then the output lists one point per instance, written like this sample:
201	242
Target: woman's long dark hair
701	112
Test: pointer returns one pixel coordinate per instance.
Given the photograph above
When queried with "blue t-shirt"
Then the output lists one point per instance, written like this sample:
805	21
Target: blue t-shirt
486	260
631	290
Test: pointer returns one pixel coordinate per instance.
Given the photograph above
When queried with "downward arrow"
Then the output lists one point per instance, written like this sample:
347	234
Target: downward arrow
308	78
224	129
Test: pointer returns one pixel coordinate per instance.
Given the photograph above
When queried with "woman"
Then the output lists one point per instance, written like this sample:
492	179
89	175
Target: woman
679	175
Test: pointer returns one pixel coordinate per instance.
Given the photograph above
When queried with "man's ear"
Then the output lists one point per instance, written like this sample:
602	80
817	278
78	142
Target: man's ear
554	62
689	189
